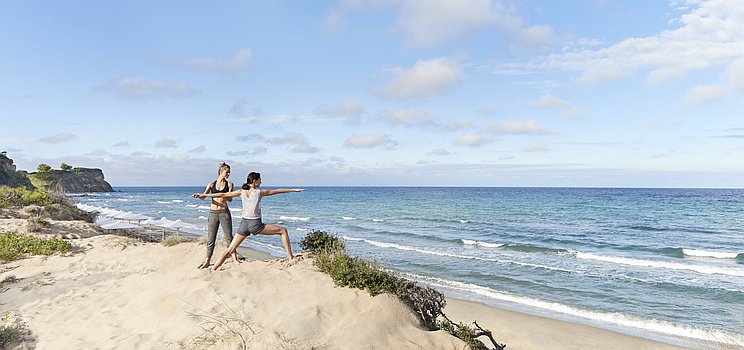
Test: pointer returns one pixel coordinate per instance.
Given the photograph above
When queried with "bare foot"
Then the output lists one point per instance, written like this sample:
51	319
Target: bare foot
204	265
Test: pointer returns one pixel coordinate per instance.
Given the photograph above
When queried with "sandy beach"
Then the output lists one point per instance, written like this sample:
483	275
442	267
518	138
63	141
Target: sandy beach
121	293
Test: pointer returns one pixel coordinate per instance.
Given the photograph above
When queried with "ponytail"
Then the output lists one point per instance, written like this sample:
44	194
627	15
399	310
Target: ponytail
253	176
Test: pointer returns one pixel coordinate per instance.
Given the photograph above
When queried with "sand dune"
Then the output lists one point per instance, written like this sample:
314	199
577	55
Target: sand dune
117	293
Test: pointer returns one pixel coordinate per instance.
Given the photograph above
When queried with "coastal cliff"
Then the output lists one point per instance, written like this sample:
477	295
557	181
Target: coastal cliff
9	176
69	180
75	180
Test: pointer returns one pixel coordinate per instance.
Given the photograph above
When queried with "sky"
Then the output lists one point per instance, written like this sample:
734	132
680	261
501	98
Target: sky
555	93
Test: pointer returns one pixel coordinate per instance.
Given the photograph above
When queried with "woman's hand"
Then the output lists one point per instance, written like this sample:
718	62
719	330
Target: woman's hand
198	195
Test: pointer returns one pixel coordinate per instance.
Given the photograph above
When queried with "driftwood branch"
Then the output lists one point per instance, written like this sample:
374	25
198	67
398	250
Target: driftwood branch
488	333
481	332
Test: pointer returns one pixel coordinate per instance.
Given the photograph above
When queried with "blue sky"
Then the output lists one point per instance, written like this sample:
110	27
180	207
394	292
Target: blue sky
381	92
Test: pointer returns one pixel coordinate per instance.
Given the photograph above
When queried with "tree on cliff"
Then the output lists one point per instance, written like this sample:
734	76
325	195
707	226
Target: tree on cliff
65	166
42	168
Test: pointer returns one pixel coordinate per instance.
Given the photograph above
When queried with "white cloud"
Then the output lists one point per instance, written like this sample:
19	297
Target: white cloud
135	87
705	93
299	141
350	111
254	152
415	118
250	138
473	140
430	23
368	141
426	78
529	127
409	117
710	34
122	144
535	147
239	61
555	103
59	138
167	143
200	149
294	118
439	152
458	124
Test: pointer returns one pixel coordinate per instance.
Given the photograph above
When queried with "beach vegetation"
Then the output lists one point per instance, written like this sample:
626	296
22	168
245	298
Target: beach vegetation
42	168
65	166
13	330
172	240
227	325
36	223
330	257
55	204
14	246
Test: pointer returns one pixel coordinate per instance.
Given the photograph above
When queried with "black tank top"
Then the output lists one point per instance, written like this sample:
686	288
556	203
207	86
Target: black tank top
213	188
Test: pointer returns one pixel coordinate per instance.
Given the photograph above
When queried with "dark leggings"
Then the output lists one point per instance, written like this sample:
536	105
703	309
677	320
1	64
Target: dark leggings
218	218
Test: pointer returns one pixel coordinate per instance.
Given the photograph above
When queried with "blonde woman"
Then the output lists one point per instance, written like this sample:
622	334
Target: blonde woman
219	213
251	223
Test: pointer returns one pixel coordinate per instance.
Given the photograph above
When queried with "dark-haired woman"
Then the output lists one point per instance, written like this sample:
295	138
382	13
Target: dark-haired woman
219	213
251	223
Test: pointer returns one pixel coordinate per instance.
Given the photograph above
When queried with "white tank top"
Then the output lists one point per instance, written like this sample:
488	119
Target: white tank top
252	204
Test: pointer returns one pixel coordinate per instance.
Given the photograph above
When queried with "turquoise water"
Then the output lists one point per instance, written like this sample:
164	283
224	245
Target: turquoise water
660	263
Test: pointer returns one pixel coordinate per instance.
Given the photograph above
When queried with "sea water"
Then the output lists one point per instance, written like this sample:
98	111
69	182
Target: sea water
658	263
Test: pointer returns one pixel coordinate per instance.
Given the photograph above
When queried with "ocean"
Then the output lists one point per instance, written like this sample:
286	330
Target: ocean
656	263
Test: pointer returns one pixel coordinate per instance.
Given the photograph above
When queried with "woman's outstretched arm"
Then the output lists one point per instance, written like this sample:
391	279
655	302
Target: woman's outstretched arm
265	193
217	195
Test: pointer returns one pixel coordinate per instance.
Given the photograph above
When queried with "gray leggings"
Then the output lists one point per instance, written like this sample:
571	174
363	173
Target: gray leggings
218	218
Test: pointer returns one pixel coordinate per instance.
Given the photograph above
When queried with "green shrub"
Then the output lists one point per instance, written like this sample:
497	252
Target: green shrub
57	205
13	246
35	197
317	240
19	197
427	303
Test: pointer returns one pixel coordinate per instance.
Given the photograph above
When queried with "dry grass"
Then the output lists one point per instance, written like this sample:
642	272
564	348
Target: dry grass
170	241
228	326
13	331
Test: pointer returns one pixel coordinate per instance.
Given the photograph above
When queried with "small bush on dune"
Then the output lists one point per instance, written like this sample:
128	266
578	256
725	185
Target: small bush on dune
318	240
170	241
13	331
13	246
57	206
427	303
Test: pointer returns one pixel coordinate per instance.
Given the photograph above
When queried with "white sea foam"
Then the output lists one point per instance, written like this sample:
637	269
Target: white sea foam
451	255
164	202
663	264
202	217
378	220
177	201
481	244
709	254
188	205
348	218
302	229
236	210
293	218
626	320
122	199
205	207
464	221
267	246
